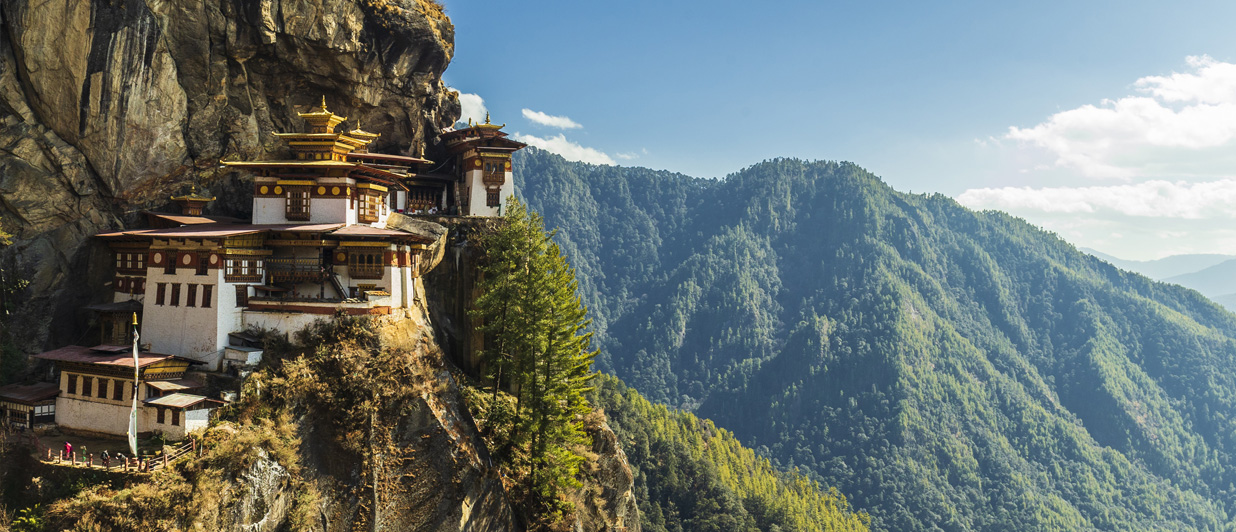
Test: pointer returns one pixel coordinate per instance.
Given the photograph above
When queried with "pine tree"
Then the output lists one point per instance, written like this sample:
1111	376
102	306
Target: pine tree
536	346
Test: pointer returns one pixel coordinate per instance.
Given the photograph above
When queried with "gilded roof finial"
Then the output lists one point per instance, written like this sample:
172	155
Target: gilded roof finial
486	117
469	121
324	103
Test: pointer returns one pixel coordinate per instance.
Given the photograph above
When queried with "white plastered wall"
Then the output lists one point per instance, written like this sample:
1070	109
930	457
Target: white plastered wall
193	332
478	200
269	210
285	322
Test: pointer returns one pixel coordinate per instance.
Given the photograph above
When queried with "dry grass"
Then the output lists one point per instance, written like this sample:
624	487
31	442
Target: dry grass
194	495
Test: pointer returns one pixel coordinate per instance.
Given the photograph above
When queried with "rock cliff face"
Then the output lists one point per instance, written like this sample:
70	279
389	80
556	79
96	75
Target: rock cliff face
606	500
108	107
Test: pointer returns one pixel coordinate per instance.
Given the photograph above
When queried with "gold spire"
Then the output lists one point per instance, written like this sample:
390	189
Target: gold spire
487	124
191	204
322	121
361	134
192	196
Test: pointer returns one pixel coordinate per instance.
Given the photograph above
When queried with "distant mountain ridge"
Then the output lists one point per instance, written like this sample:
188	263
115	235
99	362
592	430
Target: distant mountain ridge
946	369
1214	282
1213	275
1166	267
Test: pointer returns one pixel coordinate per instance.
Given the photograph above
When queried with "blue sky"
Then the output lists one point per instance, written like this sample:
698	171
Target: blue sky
1106	122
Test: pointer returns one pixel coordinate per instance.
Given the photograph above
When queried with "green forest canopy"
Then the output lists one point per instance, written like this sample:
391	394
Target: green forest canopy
945	368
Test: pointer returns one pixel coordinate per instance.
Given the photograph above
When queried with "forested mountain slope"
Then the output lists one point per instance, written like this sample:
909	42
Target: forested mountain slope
692	475
946	369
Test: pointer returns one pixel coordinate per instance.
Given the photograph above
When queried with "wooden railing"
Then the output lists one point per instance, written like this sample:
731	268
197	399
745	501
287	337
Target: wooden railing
295	269
366	271
143	464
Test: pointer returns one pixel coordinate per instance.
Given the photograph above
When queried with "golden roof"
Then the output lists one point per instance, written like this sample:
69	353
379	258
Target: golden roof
322	118
192	196
486	125
361	134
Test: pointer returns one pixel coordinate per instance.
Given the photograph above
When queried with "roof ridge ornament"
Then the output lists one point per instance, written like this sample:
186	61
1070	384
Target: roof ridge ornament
486	125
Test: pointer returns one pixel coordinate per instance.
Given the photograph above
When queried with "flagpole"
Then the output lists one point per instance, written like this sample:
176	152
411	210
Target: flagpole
132	433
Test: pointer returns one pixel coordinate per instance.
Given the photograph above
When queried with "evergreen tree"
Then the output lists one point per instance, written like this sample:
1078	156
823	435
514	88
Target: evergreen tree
536	346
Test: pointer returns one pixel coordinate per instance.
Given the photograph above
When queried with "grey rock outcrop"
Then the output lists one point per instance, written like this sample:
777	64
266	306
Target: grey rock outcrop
606	500
109	107
259	500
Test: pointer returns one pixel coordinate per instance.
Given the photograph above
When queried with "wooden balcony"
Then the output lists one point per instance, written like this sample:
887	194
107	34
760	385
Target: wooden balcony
252	277
290	269
366	271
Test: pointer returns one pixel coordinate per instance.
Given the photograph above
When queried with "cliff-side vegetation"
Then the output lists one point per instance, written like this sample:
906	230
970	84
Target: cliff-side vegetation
692	475
536	348
354	424
199	493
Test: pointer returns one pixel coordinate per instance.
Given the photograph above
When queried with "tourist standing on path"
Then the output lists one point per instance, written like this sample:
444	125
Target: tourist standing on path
68	450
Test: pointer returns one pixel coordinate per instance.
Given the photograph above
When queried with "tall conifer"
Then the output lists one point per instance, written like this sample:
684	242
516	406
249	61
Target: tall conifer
536	346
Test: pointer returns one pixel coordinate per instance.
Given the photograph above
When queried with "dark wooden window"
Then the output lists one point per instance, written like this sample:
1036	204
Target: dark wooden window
176	416
207	292
169	267
159	415
370	202
297	203
117	390
203	263
495	172
492	198
87	386
244	270
160	293
175	302
365	265
191	296
131	263
242	296
102	389
72	384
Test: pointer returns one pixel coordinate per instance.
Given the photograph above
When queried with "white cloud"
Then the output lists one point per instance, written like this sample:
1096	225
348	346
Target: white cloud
569	150
1151	199
472	107
1214	82
1137	221
560	122
626	156
1183	125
